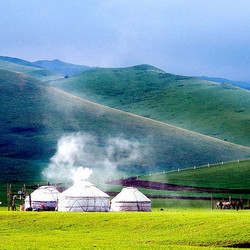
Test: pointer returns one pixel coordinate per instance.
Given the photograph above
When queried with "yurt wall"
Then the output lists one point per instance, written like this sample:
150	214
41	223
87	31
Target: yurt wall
43	198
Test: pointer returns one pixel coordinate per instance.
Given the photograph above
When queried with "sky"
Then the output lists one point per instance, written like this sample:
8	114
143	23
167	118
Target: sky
187	37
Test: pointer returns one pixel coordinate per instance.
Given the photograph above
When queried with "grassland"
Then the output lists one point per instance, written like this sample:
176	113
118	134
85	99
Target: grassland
230	175
172	229
36	116
220	111
173	224
30	70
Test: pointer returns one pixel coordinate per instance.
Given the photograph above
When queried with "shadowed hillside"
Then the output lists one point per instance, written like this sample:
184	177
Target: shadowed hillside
63	68
34	117
217	110
18	61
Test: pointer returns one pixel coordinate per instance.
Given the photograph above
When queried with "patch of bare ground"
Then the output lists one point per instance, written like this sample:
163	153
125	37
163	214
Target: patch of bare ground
133	182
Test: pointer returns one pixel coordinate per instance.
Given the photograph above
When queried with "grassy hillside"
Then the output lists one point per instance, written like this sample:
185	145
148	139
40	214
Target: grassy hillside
28	69
63	68
230	175
190	229
35	116
220	111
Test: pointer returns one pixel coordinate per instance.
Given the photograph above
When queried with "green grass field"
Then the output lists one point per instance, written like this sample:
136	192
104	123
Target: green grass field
220	111
170	229
172	224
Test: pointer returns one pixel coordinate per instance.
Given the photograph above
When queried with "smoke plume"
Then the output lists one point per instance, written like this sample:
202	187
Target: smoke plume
85	151
80	174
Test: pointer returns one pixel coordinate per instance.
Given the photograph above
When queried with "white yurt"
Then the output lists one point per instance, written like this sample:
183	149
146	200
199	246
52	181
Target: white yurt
43	198
131	199
83	197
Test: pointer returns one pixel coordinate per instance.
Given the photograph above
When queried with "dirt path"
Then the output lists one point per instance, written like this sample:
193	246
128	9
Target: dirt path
169	197
132	181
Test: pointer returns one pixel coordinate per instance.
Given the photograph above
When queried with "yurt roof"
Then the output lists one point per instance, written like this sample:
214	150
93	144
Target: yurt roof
84	189
44	193
130	194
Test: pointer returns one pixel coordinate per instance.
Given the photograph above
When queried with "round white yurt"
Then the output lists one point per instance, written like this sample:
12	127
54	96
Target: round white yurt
43	198
83	197
131	199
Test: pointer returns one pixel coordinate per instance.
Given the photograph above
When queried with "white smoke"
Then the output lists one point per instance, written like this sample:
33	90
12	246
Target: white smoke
82	149
123	151
80	174
70	151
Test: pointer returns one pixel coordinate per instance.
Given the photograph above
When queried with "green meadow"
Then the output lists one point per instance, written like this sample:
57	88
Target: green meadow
170	229
230	175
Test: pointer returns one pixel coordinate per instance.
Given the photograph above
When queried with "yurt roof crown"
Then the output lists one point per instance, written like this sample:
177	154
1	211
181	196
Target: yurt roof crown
84	189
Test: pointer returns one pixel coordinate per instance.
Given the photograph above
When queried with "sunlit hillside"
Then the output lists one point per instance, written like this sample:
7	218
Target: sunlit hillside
214	109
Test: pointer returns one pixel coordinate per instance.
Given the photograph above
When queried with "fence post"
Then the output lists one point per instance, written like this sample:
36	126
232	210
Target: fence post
212	205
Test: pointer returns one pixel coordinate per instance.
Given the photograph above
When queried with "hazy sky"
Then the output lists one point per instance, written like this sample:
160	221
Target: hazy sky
188	37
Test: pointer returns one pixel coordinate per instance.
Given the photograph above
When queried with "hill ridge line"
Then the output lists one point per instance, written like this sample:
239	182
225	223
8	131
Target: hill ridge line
234	86
148	119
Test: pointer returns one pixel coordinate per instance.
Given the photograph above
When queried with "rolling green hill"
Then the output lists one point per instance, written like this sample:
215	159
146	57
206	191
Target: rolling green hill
217	110
28	68
231	178
63	68
230	175
35	116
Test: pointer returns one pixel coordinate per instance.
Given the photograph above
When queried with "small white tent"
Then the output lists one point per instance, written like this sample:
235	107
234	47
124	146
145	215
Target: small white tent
83	197
131	199
43	198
